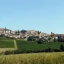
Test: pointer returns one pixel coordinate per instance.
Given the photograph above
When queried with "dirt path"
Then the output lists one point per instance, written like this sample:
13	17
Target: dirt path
5	49
15	45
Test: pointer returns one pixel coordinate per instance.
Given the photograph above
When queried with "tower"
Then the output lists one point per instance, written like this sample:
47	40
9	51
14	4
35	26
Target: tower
5	30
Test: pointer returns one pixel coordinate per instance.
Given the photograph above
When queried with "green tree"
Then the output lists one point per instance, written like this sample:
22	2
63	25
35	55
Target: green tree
23	31
62	47
40	41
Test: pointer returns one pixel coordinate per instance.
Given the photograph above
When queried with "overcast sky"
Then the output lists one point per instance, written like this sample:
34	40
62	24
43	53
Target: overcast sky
43	15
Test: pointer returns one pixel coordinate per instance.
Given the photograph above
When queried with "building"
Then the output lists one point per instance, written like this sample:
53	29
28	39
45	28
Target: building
1	31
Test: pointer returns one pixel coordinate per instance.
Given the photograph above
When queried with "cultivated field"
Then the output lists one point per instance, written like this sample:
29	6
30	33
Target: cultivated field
6	44
11	44
32	58
35	58
28	45
4	38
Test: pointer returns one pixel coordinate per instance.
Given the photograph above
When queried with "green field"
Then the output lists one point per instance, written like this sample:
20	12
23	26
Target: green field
4	38
34	58
6	44
28	45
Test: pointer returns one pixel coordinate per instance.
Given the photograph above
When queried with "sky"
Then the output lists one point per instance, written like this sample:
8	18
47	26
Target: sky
43	15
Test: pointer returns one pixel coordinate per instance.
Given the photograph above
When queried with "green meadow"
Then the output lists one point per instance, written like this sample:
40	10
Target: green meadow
6	44
28	45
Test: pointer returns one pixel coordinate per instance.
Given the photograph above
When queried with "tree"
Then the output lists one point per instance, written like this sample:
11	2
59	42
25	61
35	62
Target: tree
40	41
62	47
60	39
23	31
55	40
2	35
29	39
17	32
33	38
38	32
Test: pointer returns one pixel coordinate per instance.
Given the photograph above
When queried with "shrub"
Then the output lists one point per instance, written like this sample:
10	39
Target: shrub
7	52
62	47
40	41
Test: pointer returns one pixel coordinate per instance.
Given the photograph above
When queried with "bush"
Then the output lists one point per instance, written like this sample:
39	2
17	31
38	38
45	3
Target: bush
40	41
8	52
57	50
31	51
49	50
62	47
16	52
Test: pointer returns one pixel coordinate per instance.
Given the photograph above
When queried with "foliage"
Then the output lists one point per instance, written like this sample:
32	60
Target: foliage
8	52
32	38
55	40
62	47
60	39
31	51
23	31
2	35
38	32
40	41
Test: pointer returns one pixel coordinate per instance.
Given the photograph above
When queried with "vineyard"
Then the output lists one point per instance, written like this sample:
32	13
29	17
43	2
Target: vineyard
28	45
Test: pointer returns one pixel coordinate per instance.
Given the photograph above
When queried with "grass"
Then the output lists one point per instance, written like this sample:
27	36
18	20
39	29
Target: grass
6	44
4	38
28	45
34	58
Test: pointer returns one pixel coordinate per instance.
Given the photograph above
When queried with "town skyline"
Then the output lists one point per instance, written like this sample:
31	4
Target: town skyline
29	30
28	34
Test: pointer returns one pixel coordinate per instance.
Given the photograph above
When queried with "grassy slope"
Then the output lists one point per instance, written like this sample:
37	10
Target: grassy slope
35	58
6	44
27	45
3	38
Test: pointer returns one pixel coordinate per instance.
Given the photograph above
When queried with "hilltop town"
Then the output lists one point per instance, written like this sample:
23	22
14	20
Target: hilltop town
29	34
21	33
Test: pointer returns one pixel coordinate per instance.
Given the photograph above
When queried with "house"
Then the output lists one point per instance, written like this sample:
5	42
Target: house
1	31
